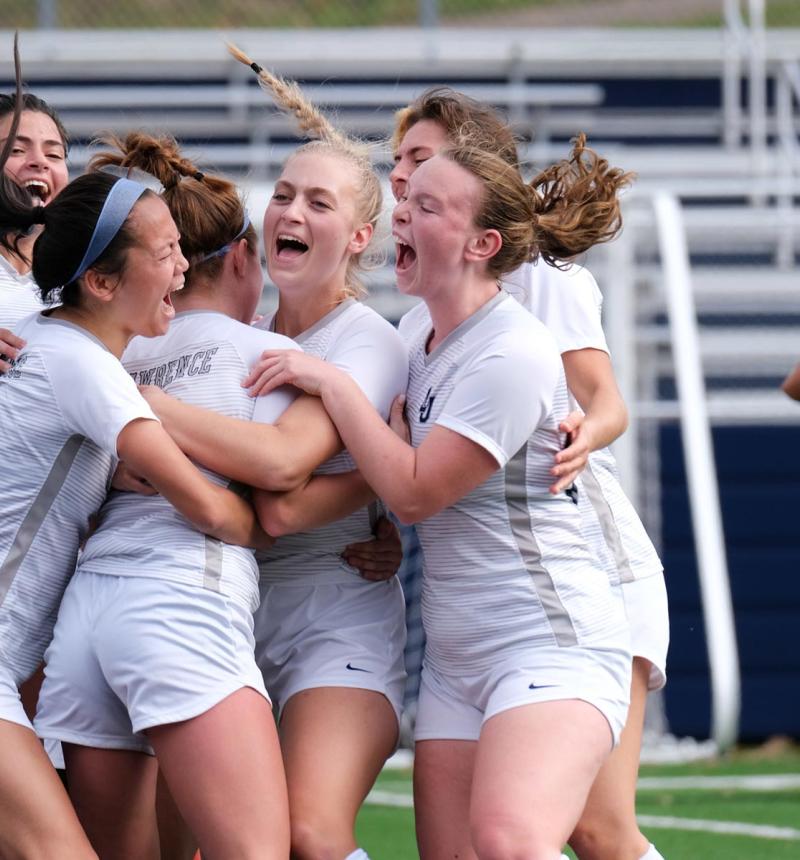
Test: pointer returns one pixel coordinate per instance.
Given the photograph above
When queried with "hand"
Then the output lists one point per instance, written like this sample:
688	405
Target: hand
128	481
154	396
278	367
379	559
10	346
571	461
397	418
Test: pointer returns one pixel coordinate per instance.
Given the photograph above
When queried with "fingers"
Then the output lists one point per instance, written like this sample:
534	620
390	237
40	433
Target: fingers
572	423
385	529
565	482
10	348
397	418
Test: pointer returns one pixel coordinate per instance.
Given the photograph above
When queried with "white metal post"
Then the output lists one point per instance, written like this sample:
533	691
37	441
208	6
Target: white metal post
701	473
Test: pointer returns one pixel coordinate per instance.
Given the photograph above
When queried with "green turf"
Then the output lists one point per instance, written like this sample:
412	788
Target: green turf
388	833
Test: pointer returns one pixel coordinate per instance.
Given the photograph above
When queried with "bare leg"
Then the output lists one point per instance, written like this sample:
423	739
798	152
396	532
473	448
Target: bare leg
225	773
442	787
176	840
334	742
534	767
607	829
114	793
37	821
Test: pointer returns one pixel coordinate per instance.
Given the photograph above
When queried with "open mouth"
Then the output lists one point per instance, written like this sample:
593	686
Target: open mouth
166	300
405	255
289	247
39	191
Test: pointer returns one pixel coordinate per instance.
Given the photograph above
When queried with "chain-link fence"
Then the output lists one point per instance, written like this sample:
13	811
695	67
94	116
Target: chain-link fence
79	14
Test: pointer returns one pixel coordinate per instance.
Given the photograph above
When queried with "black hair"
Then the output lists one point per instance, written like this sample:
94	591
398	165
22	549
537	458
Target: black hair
33	103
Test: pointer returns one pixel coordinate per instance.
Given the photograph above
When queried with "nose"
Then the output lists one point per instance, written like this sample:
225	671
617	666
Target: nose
398	179
400	212
37	158
181	263
293	211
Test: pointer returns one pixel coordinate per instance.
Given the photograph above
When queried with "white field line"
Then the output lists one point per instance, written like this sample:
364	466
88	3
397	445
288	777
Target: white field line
758	782
760	831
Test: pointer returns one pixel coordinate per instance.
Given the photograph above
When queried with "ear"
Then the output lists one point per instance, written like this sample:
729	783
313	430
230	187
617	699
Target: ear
99	286
239	254
483	246
360	238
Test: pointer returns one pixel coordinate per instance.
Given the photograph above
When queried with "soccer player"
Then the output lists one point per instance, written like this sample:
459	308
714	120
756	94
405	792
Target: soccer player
568	302
109	252
329	642
527	669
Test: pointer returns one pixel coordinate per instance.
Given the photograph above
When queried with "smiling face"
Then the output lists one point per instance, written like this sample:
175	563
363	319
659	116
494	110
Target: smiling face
421	142
38	157
311	225
154	268
433	227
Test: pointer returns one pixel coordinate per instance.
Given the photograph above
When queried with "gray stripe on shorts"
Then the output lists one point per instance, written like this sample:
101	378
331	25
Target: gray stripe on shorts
519	517
37	512
212	574
594	493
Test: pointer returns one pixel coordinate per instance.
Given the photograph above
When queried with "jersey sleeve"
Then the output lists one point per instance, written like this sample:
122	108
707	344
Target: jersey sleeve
374	355
96	396
502	396
269	407
568	302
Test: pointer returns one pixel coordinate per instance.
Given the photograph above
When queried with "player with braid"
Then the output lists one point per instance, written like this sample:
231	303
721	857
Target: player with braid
329	642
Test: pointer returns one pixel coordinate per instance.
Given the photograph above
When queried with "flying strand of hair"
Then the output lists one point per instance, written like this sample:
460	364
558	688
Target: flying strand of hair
290	98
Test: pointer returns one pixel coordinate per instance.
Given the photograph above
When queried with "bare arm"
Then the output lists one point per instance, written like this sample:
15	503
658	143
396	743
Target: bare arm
276	456
790	386
415	483
321	500
150	452
590	377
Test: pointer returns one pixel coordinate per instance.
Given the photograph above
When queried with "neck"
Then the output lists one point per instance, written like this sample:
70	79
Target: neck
110	335
297	313
202	296
449	308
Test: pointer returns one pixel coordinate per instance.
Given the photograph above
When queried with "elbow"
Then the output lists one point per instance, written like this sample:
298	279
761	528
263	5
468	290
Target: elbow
275	521
409	512
279	479
211	518
624	420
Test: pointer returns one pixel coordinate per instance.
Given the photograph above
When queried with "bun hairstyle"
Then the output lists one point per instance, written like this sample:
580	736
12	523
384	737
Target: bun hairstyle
565	210
327	140
207	209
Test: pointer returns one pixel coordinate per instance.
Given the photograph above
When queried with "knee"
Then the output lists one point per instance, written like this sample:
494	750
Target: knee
611	837
507	840
312	839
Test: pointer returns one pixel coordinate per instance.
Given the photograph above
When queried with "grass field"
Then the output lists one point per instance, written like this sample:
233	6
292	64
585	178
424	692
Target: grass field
734	794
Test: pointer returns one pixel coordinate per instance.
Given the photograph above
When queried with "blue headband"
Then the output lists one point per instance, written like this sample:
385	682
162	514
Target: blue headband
121	198
221	252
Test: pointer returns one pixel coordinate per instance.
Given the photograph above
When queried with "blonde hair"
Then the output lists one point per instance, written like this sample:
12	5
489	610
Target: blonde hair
565	210
328	140
206	209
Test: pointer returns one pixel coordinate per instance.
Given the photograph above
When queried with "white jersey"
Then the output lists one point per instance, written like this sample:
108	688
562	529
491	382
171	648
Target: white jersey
369	349
201	360
569	303
19	295
62	406
506	567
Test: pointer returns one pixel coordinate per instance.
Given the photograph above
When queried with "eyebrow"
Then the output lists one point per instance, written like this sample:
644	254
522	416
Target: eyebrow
413	151
24	139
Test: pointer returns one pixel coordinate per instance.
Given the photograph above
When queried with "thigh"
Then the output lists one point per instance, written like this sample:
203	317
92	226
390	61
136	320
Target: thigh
443	771
335	741
36	817
114	794
534	767
613	794
225	773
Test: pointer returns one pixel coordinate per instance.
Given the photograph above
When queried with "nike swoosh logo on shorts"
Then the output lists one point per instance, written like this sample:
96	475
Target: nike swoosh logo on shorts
356	669
541	686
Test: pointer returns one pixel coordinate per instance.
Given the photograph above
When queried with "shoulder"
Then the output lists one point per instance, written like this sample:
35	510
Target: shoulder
414	321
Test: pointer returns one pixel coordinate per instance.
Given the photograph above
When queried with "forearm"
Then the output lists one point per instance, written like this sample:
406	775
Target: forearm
387	463
260	455
323	499
606	418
